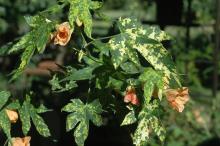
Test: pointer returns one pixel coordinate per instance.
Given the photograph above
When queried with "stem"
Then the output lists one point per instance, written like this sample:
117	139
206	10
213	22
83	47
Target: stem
102	38
88	55
6	142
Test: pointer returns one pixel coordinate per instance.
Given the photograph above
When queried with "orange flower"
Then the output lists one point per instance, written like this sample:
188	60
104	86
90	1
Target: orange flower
63	34
12	115
177	98
131	96
17	141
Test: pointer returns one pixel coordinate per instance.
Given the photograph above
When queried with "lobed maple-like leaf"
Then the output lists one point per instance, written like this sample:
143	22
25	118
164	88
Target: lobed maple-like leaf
80	11
79	117
27	113
135	38
34	40
148	121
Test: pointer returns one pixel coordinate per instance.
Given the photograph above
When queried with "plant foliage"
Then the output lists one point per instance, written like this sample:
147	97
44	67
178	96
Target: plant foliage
134	57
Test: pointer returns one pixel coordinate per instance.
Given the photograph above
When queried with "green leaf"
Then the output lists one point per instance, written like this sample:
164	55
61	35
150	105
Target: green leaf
115	84
25	59
4	95
130	68
42	38
95	5
70	85
80	9
86	19
95	106
142	132
25	117
40	125
103	47
42	109
21	44
118	50
158	57
151	79
121	50
76	104
37	38
5	123
72	120
129	119
82	114
54	82
14	105
158	128
148	123
81	133
5	48
58	88
156	34
82	74
93	112
27	113
33	21
135	38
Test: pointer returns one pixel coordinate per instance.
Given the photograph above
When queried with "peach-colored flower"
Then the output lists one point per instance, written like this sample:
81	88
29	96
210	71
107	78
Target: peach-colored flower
131	96
199	119
177	98
62	34
17	141
12	115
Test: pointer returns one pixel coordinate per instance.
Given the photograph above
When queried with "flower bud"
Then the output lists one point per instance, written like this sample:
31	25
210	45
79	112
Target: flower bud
12	115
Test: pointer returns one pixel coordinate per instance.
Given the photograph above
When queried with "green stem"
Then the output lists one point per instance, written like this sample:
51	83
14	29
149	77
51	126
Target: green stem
88	55
102	38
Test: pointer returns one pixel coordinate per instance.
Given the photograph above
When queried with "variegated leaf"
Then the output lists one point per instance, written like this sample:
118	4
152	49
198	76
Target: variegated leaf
158	128
72	119
4	95
129	119
81	133
152	79
80	117
80	11
142	132
5	123
74	105
25	117
40	125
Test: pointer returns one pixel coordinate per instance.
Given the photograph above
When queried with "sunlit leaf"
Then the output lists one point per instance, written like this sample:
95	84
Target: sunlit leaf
4	95
27	113
80	10
129	118
80	116
5	123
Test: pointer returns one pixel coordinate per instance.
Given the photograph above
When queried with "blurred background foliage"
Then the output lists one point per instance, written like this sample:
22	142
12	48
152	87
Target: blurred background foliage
197	125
